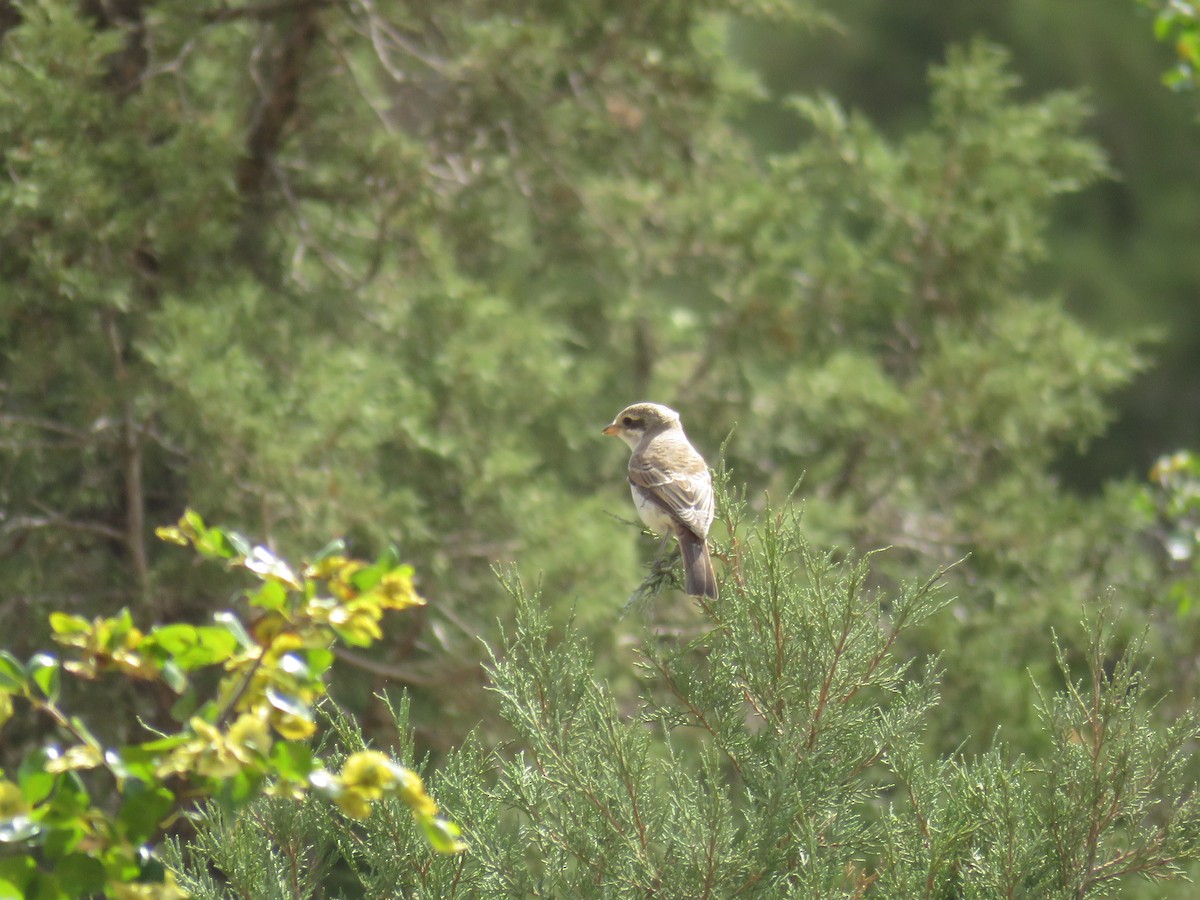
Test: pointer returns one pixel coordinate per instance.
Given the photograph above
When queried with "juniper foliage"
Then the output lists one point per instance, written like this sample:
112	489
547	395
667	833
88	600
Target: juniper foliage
777	746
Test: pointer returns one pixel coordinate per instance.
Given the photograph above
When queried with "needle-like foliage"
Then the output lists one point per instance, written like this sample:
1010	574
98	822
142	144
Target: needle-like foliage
778	746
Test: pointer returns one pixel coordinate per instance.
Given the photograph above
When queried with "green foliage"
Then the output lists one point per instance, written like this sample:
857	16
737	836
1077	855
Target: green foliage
382	273
1174	501
411	336
1177	23
776	745
233	742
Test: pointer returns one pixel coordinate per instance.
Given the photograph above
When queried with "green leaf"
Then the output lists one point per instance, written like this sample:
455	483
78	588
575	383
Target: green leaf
193	647
319	660
139	760
174	639
233	625
266	565
161	745
366	578
35	782
130	762
272	595
45	670
15	875
291	760
70	800
443	836
174	676
64	623
151	869
239	542
80	875
238	790
215	545
194	522
370	576
214	542
143	811
389	558
1164	23
12	673
289	704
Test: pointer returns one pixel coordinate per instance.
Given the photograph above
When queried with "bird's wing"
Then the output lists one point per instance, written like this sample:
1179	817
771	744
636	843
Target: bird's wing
686	493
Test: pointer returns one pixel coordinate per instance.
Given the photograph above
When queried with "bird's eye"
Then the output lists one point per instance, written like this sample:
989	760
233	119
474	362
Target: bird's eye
629	421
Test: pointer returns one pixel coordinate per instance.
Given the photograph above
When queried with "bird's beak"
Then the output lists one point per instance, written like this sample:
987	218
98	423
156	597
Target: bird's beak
611	429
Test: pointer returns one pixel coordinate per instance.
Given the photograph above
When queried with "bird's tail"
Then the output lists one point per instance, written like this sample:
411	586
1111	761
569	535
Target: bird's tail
698	576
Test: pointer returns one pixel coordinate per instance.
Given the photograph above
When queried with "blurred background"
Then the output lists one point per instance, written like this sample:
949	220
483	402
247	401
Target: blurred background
1124	253
382	271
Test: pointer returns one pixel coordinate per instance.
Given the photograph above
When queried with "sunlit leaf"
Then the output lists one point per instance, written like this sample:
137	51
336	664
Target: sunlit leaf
82	756
319	661
265	564
131	762
45	672
65	624
12	800
12	673
241	545
290	704
192	646
15	874
272	595
36	783
192	522
174	676
172	535
443	836
233	625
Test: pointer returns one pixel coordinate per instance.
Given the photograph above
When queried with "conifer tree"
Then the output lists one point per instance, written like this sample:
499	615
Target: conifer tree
779	746
378	271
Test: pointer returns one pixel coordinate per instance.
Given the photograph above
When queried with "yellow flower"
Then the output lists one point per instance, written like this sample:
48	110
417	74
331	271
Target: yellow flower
353	804
218	755
369	772
412	792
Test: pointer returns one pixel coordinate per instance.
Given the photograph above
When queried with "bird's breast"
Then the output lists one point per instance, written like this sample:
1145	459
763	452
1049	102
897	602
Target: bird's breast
654	516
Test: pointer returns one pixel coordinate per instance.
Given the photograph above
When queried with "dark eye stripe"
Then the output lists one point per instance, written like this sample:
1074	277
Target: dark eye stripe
629	421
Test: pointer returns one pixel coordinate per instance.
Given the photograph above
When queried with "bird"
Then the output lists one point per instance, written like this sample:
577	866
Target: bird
671	487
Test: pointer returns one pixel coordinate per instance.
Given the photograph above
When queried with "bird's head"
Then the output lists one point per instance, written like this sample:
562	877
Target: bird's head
634	422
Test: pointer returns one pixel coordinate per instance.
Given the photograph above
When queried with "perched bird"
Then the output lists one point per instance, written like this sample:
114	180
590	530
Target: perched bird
671	486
